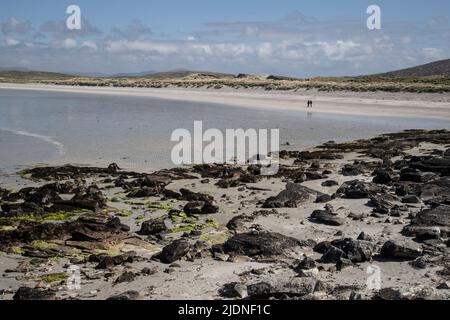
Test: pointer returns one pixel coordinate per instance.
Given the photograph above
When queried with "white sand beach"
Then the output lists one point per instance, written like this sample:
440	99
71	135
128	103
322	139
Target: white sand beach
371	104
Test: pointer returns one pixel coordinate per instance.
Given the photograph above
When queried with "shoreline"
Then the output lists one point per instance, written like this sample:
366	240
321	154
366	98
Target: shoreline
381	104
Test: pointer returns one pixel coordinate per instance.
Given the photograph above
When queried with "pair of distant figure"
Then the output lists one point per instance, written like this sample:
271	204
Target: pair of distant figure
309	104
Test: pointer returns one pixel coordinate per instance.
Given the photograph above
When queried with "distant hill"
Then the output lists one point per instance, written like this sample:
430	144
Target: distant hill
180	74
437	68
33	75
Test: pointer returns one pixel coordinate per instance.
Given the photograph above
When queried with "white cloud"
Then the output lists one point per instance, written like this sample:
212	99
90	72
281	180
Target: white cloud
68	43
89	44
13	25
144	46
12	42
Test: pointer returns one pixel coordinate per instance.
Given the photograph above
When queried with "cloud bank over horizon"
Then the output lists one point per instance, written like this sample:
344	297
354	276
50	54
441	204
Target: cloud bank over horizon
295	44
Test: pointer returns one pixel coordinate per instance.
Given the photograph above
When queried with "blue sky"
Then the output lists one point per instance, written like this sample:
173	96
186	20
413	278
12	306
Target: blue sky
301	38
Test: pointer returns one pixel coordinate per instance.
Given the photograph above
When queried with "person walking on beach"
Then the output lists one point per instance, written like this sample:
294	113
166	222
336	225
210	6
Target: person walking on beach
309	105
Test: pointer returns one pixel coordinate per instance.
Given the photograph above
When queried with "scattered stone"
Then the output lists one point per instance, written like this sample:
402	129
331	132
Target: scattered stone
329	183
323	198
260	244
174	251
295	287
323	216
234	290
443	286
400	250
153	226
356	189
25	293
364	236
419	263
291	197
410	199
127	295
200	207
414	175
127	276
383	176
149	271
343	263
306	264
106	262
332	255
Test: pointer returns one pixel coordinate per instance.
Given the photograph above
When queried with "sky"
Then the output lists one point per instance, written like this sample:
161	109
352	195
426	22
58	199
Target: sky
300	38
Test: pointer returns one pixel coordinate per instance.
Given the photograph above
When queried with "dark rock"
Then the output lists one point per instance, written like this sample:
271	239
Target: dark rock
329	183
106	262
295	287
443	286
306	264
143	192
400	250
322	247
233	290
153	226
291	197
438	190
149	271
383	176
389	294
410	199
25	293
422	233
439	165
352	170
69	172
229	183
332	255
127	276
174	251
355	250
127	295
323	216
237	223
200	207
189	195
112	168
343	263
323	198
260	244
435	217
380	204
356	189
419	263
413	175
260	289
90	198
364	236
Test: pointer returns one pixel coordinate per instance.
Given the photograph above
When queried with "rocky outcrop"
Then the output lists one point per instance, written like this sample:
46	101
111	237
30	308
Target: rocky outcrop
265	244
291	197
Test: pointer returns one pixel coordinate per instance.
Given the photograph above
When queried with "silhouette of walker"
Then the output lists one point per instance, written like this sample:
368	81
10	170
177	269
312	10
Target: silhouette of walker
309	105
